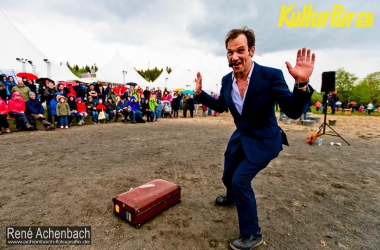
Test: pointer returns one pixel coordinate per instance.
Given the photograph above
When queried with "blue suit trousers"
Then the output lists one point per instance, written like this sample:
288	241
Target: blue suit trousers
237	177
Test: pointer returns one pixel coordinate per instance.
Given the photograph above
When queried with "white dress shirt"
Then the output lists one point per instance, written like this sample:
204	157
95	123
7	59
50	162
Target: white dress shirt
235	93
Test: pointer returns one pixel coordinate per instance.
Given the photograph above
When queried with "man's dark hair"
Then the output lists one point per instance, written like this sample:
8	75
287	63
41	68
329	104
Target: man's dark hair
232	34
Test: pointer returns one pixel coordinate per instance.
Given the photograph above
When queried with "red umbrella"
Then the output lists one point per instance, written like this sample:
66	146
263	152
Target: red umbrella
352	103
27	75
70	83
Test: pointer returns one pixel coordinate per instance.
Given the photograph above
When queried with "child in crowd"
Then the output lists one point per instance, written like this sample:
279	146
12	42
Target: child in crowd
152	106
63	111
73	109
3	116
53	108
159	109
100	107
81	110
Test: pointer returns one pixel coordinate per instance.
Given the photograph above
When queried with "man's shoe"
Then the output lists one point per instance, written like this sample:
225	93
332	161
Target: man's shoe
247	242
7	130
222	200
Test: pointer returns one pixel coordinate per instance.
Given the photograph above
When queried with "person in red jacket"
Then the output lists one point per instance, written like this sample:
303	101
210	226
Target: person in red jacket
17	107
101	108
3	116
82	110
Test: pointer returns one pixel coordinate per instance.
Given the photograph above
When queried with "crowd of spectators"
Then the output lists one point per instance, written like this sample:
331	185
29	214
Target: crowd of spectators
70	103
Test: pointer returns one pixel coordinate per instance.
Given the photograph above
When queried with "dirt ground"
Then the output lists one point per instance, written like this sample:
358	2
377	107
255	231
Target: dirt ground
310	197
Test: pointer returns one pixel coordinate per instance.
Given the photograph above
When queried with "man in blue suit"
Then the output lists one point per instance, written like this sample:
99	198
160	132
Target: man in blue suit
250	92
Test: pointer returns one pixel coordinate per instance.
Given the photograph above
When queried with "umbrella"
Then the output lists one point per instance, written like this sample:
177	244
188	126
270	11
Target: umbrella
42	80
353	103
178	89
187	92
131	83
27	75
70	83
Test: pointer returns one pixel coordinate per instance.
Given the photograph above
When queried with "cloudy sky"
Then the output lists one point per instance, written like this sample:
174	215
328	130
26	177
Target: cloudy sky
174	32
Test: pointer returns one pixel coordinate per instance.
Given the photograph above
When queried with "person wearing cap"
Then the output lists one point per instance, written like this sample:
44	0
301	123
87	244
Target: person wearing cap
35	111
63	111
22	89
17	107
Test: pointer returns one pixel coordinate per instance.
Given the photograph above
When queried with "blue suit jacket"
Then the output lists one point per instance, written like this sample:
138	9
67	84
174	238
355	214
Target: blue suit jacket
256	128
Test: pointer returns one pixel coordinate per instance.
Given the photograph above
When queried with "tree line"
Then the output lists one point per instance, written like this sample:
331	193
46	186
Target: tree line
148	74
152	74
350	88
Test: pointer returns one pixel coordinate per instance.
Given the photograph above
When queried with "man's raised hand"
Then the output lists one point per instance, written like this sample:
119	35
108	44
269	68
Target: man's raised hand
304	65
198	86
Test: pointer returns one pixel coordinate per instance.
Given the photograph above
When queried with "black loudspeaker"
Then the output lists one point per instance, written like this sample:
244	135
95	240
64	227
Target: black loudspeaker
328	81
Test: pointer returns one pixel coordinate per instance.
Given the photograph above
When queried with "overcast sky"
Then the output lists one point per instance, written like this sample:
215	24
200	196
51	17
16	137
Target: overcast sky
174	32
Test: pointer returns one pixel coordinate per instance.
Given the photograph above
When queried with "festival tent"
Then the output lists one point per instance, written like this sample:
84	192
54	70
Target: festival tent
162	81
16	45
118	71
209	81
180	78
218	73
65	74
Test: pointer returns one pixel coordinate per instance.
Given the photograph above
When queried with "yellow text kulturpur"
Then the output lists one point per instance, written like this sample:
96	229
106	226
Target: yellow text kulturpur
337	18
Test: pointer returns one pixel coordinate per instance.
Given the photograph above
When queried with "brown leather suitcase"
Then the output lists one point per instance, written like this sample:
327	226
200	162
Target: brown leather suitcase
146	201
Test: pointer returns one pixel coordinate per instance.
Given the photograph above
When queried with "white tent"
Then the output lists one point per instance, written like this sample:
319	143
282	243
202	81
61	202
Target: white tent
118	71
209	81
218	73
65	74
16	45
162	80
180	78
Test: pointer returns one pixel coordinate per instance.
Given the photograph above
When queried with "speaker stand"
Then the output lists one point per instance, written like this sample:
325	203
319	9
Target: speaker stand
324	124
